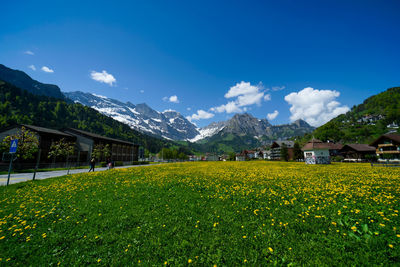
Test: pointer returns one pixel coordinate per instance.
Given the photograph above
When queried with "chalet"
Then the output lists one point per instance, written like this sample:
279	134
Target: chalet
86	141
242	156
276	149
316	152
334	149
387	146
357	152
45	136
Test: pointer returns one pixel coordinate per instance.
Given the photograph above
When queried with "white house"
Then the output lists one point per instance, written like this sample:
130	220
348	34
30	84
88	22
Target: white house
316	152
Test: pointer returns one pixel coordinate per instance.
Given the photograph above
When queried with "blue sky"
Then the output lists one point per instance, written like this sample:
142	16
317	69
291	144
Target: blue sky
289	59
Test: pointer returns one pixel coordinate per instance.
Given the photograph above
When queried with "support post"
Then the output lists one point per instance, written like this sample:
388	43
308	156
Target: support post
9	169
37	164
68	165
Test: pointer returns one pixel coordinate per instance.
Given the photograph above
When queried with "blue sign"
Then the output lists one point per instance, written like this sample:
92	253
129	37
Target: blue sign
14	146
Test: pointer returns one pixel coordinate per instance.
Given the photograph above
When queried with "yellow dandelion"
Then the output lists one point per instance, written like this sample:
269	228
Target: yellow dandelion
189	260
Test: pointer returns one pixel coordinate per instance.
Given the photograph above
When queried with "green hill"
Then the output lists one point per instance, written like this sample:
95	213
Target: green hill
21	80
377	115
20	106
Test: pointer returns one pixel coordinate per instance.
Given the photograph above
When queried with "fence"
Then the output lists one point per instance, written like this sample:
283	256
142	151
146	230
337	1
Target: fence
385	164
18	166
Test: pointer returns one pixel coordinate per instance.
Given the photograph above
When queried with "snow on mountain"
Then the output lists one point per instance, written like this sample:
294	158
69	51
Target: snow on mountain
209	131
171	125
168	124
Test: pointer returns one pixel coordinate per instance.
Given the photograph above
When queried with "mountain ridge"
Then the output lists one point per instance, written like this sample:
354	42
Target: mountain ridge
168	124
22	80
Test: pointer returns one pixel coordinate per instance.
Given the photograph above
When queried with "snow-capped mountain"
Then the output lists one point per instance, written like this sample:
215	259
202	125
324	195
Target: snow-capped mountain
209	131
168	124
172	125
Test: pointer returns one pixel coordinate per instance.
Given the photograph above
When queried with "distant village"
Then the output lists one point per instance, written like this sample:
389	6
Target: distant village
386	149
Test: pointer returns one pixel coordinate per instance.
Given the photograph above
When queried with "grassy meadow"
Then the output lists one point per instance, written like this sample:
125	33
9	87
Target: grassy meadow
206	213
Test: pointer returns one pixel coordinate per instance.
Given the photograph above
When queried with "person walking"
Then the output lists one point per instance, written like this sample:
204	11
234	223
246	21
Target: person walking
109	163
92	164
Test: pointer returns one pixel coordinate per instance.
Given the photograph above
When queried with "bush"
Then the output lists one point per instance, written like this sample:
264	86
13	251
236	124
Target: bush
140	162
118	163
103	164
371	158
337	158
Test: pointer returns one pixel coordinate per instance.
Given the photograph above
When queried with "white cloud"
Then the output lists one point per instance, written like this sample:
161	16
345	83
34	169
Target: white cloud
273	115
201	114
28	52
32	67
277	88
230	107
245	94
250	99
314	106
47	69
172	99
103	77
141	91
242	88
188	109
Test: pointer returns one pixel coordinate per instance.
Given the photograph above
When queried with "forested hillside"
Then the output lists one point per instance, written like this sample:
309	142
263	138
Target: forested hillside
20	106
377	115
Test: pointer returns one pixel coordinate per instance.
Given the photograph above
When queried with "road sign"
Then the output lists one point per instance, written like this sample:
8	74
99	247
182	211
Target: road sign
14	146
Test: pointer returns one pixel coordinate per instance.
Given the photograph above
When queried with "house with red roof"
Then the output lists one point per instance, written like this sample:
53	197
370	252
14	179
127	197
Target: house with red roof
316	152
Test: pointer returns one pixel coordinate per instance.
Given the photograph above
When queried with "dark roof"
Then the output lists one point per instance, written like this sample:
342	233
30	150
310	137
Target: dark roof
289	144
359	148
316	144
40	129
97	136
335	146
394	137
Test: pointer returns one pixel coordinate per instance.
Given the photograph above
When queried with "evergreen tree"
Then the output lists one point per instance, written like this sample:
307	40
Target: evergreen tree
297	153
284	152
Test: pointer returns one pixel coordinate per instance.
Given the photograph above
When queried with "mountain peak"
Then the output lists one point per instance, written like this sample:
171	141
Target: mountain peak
301	123
169	124
23	81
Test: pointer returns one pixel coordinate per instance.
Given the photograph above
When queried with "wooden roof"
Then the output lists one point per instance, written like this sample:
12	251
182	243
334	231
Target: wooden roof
315	144
393	137
39	129
96	136
358	148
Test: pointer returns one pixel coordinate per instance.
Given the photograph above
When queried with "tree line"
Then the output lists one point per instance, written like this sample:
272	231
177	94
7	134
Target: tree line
18	106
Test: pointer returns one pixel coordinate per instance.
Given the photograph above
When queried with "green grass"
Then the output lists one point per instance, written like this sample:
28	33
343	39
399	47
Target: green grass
210	213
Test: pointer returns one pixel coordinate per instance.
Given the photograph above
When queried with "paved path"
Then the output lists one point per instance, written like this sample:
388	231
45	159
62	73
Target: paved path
22	177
